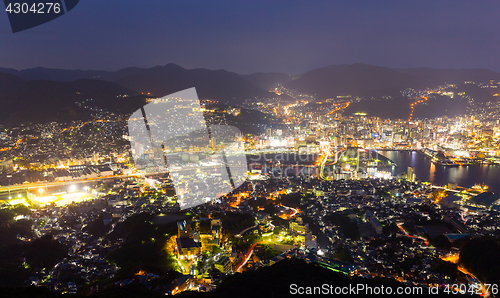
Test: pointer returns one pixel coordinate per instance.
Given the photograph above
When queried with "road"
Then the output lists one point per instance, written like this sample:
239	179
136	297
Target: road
247	257
241	233
27	186
36	185
325	150
417	237
295	211
326	153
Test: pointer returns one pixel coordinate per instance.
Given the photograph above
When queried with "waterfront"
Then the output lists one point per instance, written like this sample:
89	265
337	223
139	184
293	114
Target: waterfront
425	170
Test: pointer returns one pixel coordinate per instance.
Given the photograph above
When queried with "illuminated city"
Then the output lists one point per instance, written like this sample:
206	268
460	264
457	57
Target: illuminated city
165	180
323	191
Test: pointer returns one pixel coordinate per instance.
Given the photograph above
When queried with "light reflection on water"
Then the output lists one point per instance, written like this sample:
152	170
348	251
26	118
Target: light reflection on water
425	170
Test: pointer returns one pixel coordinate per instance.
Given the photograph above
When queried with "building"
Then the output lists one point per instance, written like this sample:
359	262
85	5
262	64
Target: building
410	175
216	228
373	222
104	170
452	237
184	229
262	217
224	265
456	224
187	247
183	283
450	201
311	241
298	227
452	185
486	200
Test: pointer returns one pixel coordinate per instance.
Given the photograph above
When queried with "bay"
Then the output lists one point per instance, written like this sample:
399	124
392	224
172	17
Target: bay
425	170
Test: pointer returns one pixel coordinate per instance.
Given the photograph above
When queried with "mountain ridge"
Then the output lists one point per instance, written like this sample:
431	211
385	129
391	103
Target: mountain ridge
46	101
368	82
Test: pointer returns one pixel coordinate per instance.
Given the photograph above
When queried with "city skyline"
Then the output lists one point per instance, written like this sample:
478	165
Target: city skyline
270	37
209	147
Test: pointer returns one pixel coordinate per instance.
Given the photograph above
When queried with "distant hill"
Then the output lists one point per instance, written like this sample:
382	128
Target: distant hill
9	82
267	81
210	84
398	107
42	101
480	95
451	76
371	81
222	85
262	80
359	80
356	79
66	75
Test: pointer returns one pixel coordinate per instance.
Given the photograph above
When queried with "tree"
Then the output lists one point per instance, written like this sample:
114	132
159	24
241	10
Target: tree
20	209
45	252
96	227
343	255
481	256
270	209
199	266
6	215
347	227
266	252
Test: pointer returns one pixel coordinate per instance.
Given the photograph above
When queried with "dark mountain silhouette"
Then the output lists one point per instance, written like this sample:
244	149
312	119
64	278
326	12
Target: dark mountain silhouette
451	76
480	95
42	101
375	84
398	107
286	278
267	81
368	80
356	79
162	80
283	278
359	80
9	82
210	84
11	71
66	75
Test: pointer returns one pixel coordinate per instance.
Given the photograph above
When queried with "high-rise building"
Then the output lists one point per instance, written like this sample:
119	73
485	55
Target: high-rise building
410	175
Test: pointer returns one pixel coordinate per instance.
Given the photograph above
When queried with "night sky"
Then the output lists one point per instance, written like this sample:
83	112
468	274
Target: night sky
251	36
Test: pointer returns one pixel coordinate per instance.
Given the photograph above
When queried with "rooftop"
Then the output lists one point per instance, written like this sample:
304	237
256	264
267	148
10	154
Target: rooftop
486	198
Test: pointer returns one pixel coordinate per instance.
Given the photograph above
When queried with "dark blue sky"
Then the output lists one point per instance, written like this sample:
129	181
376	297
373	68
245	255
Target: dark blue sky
250	36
